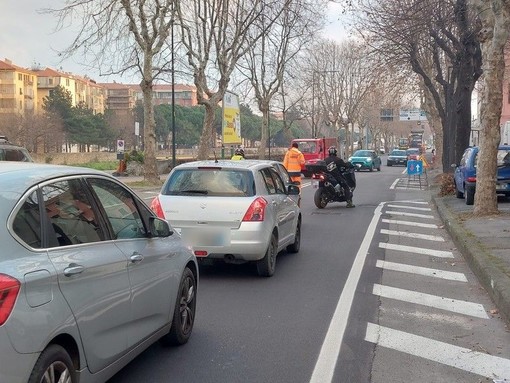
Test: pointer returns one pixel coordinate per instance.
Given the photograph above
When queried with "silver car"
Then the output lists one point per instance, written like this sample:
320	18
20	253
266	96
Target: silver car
89	276
237	211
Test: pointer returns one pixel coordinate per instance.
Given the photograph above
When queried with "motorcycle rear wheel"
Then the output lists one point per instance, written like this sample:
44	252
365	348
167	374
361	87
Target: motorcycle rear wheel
320	198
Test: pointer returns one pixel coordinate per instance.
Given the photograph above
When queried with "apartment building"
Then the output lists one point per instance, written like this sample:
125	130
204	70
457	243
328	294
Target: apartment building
48	79
18	89
91	94
185	95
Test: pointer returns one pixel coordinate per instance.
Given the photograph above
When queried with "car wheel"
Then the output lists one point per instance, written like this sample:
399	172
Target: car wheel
294	248
469	195
389	164
184	311
371	167
53	366
320	198
266	265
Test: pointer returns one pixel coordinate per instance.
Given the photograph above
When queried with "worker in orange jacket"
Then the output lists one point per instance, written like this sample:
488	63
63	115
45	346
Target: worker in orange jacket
294	162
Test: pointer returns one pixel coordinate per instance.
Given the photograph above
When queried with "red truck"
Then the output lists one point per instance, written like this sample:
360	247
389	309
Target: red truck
314	149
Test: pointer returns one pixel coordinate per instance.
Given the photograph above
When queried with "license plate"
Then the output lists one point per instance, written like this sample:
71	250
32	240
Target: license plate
502	186
205	236
315	184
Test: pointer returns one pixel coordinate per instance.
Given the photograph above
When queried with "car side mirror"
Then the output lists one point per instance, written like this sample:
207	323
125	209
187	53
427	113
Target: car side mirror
159	227
293	189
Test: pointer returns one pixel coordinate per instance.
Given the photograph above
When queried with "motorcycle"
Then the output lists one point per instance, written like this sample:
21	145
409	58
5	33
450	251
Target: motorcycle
325	184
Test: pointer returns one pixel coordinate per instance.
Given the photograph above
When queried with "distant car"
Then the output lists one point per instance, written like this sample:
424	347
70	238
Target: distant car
382	150
413	154
366	159
89	276
11	152
465	173
397	157
234	211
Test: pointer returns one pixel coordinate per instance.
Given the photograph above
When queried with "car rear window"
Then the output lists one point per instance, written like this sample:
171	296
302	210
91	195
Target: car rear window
503	158
210	182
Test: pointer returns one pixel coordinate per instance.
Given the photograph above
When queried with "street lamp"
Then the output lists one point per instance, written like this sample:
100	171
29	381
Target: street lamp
173	89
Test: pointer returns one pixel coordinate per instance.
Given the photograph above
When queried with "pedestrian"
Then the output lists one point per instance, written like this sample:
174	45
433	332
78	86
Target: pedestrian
294	162
238	154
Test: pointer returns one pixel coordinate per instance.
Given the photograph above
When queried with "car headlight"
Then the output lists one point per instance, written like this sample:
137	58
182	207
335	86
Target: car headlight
350	159
369	160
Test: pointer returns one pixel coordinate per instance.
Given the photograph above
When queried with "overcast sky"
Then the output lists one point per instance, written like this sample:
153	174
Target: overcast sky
28	37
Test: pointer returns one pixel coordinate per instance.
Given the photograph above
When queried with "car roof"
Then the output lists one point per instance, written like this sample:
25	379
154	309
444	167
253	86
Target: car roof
19	176
230	164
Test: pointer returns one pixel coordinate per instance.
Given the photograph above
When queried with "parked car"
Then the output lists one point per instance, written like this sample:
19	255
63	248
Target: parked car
235	211
366	159
465	173
397	157
413	154
89	276
11	152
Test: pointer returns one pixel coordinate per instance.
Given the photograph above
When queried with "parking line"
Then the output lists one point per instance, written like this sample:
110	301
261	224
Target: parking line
480	363
406	234
434	301
416	250
411	207
410	223
425	271
408	214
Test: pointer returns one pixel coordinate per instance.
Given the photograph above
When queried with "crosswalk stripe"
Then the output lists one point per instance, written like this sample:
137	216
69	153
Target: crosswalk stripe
410	223
425	271
417	250
412	201
443	303
483	364
411	207
406	234
409	214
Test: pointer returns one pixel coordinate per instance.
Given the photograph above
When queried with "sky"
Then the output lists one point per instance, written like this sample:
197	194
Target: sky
29	37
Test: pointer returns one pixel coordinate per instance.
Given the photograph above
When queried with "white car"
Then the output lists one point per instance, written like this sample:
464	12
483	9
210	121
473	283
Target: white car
236	211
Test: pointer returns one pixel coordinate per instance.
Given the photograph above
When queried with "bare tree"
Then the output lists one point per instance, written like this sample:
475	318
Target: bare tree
266	61
495	20
123	36
406	31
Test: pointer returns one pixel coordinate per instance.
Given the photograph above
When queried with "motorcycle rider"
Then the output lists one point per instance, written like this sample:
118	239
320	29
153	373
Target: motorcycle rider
333	165
238	154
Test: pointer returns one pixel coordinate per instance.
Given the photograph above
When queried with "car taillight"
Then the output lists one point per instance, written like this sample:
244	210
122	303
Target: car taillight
471	179
256	211
9	289
156	208
316	176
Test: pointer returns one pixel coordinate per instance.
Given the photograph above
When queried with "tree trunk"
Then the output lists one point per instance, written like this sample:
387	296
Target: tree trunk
150	170
207	130
493	42
264	108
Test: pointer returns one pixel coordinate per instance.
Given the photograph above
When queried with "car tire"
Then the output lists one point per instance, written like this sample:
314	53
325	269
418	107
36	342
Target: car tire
371	167
469	195
294	248
266	265
320	198
184	311
389	164
379	168
55	362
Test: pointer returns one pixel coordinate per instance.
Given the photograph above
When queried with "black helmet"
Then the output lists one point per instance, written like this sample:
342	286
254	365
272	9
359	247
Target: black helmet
239	152
332	151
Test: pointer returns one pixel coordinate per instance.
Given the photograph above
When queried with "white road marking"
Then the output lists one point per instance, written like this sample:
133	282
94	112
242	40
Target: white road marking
443	303
406	234
409	214
411	207
418	202
394	184
417	250
410	223
493	367
425	271
326	362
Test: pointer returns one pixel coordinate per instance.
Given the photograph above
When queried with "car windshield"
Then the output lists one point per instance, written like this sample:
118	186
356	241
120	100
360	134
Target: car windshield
398	153
210	182
363	153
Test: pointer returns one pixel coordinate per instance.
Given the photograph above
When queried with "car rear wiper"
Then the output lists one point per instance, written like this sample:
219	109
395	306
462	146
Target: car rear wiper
196	191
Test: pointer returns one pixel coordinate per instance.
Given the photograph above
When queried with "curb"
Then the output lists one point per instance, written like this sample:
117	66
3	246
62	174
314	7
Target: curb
479	258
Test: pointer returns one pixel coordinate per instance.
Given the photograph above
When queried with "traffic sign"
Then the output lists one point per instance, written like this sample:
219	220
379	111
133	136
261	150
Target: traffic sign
120	146
414	167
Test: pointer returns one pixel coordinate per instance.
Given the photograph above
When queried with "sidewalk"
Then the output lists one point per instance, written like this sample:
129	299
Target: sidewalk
484	242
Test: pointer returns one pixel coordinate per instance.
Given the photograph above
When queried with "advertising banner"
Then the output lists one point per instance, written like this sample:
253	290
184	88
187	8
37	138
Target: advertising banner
231	119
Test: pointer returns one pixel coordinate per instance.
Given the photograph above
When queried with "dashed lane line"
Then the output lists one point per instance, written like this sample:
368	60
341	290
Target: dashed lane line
416	250
411	223
406	234
490	366
434	301
425	271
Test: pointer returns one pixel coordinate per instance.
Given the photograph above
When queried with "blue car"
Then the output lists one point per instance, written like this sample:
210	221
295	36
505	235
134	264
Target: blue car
366	159
465	173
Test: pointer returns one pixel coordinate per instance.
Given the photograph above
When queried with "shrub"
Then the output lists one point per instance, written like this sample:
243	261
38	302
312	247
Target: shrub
134	156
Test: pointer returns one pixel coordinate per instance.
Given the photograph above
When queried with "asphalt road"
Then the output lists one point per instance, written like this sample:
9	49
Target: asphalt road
376	294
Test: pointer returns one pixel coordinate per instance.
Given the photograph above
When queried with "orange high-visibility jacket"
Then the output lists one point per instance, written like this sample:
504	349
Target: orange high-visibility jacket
293	162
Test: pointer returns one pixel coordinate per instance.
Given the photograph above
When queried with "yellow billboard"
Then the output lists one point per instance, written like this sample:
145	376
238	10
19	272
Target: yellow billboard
231	119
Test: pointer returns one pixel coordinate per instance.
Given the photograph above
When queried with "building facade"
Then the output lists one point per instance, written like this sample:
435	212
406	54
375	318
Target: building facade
18	90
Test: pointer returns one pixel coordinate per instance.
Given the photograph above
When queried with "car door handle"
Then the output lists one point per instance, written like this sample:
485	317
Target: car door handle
73	269
136	257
